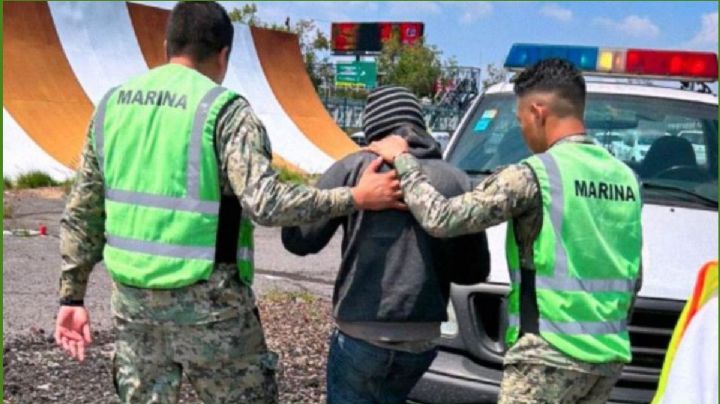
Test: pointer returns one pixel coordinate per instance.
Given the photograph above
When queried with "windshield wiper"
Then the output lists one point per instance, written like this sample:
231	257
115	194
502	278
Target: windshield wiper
676	188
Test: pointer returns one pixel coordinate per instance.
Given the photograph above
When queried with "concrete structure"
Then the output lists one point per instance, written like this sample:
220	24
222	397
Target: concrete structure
59	58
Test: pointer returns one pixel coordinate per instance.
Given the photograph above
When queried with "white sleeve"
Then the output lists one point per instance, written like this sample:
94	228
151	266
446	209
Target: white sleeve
693	375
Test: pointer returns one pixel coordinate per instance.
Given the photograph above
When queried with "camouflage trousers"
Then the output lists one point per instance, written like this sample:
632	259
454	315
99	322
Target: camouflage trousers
528	383
225	361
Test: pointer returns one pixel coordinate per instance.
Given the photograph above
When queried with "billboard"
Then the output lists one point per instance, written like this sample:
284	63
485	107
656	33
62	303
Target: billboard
356	74
363	38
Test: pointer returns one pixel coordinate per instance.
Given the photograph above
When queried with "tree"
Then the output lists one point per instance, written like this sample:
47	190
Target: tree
245	15
415	66
495	74
314	44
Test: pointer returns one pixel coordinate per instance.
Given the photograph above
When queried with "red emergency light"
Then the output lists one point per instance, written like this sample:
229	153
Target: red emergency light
672	63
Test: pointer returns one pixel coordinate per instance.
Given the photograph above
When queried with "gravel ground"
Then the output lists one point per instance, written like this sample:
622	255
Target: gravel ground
293	295
37	372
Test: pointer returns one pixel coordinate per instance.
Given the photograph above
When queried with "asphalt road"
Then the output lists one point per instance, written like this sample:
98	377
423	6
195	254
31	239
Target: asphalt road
31	266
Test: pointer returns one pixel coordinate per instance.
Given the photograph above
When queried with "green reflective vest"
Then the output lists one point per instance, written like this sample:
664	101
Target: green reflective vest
586	256
154	139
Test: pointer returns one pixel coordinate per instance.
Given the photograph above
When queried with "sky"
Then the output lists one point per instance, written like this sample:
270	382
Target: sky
480	33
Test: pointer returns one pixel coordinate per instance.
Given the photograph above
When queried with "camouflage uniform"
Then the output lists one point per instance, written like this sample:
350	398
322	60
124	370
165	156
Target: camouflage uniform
210	330
535	372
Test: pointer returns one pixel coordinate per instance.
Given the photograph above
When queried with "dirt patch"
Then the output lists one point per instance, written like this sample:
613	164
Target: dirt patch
297	327
43	193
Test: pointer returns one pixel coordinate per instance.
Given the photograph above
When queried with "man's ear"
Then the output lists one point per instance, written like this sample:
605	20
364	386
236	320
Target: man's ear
224	58
539	111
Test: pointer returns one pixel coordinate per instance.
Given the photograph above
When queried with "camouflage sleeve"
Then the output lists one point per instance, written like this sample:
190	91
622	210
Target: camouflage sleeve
498	198
245	158
82	228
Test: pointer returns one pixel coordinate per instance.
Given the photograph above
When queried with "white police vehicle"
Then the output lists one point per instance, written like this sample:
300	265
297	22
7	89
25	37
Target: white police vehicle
679	174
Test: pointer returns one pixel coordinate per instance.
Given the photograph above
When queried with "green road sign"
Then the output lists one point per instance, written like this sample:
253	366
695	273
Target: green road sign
356	74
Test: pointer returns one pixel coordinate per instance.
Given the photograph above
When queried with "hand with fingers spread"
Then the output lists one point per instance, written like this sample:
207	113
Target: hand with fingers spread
389	147
378	191
72	330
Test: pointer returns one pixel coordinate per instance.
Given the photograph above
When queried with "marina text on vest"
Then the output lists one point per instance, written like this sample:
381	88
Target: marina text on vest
603	190
158	98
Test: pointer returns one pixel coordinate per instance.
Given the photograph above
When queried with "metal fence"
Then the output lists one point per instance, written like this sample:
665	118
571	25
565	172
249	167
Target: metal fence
347	113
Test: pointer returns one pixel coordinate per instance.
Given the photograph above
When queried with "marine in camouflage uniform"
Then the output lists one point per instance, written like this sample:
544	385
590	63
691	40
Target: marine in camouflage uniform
535	372
550	112
210	330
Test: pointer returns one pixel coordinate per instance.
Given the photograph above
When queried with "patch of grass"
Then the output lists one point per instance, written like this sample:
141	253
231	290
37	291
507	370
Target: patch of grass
313	178
278	296
287	175
8	210
8	183
67	185
34	179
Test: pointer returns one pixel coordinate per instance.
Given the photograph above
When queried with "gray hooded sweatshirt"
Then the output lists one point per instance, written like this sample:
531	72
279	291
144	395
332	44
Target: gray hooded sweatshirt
394	278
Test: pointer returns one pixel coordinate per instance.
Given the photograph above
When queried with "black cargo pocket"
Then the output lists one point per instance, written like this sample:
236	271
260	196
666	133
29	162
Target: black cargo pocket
114	371
256	312
269	363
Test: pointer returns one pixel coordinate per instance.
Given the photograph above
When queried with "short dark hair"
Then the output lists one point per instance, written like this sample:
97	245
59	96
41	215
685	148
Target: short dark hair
557	76
198	29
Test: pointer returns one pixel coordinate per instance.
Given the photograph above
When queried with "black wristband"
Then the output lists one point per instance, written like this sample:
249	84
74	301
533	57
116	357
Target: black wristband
71	302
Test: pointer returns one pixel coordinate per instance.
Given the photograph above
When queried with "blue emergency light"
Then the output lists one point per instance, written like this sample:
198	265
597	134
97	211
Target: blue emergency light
524	55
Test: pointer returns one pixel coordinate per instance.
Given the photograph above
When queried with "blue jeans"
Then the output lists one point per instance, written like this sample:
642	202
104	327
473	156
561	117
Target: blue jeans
361	373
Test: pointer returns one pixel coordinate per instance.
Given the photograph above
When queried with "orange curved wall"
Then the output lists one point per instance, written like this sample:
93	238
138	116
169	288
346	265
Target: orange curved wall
149	25
40	90
43	95
282	62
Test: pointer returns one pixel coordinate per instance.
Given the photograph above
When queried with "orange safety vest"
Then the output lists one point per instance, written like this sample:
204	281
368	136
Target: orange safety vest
705	286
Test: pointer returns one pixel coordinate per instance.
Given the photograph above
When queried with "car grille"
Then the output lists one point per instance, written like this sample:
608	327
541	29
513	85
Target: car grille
650	327
650	332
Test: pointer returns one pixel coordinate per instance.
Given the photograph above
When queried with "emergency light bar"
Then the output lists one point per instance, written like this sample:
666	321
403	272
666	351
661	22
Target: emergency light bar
655	64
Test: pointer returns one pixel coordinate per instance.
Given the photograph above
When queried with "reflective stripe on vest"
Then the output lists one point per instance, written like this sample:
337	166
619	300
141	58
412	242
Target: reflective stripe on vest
576	327
161	201
174	251
99	128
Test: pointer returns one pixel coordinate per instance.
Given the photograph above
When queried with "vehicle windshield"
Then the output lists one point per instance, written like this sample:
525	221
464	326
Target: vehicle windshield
670	144
695	137
650	138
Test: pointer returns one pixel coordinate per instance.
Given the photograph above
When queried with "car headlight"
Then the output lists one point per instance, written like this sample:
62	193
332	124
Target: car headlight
449	328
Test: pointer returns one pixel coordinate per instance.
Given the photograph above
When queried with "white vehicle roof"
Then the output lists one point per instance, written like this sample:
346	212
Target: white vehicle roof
629	89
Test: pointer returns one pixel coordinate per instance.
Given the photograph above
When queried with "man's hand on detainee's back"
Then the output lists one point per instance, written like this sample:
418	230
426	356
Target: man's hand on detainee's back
378	191
72	330
389	147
